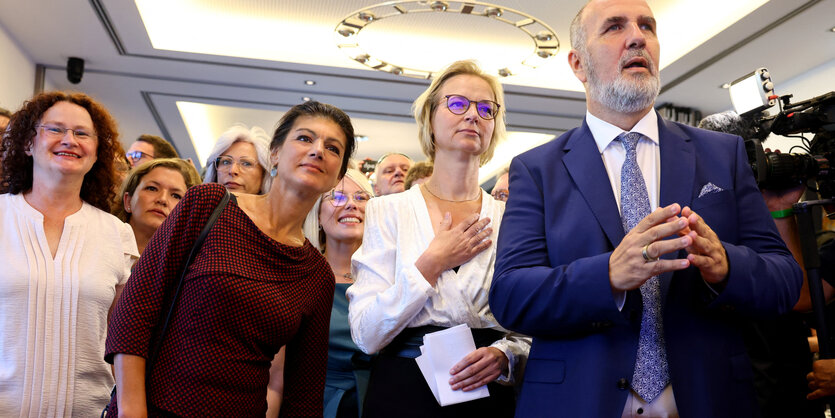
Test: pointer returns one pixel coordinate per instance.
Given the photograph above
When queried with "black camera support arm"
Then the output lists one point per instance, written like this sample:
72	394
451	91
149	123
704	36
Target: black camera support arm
811	258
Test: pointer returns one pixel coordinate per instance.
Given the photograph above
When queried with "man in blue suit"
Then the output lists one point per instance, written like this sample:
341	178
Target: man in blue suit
632	247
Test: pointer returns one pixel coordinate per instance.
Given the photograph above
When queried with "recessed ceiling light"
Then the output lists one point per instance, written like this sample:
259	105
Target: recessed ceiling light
306	99
360	138
833	29
309	82
725	86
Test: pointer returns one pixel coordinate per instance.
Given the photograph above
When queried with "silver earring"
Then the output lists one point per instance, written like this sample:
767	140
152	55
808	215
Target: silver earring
274	170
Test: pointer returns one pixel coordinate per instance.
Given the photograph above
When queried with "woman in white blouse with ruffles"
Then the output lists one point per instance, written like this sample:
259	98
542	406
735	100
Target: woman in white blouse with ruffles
427	257
65	258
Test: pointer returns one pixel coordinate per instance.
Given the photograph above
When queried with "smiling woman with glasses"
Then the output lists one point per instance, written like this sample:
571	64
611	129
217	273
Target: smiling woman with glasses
427	260
240	160
65	258
335	225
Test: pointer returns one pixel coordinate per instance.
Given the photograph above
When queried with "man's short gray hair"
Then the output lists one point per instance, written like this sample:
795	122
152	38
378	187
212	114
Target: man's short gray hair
578	34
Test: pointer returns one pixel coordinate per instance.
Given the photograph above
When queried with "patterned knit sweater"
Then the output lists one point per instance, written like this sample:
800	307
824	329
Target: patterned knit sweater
244	297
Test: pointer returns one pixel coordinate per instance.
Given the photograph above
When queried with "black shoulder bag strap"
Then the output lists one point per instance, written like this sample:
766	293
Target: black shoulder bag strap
154	352
194	250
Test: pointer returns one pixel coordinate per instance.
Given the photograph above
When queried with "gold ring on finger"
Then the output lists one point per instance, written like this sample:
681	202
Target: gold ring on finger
645	254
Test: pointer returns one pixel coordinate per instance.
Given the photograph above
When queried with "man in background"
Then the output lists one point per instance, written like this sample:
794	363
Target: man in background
390	173
149	147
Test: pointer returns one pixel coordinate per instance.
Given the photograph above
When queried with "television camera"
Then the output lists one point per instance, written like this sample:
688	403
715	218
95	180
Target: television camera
752	96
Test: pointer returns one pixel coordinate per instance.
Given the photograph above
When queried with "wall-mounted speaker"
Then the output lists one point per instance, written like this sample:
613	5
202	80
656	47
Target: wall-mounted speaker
75	69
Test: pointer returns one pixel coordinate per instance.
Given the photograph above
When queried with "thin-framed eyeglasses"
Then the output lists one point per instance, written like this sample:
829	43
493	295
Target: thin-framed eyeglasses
225	162
59	132
458	105
339	198
137	155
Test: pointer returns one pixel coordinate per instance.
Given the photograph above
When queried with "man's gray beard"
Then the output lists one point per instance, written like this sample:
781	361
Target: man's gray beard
624	95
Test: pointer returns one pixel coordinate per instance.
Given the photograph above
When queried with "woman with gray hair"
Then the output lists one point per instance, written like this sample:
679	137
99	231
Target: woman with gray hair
240	160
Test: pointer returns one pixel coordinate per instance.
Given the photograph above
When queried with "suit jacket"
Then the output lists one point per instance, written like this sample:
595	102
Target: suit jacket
552	277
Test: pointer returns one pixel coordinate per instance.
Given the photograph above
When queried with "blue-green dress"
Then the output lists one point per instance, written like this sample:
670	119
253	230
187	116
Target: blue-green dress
348	367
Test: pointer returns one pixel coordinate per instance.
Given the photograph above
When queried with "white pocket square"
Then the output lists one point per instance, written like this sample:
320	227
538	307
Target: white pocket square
710	188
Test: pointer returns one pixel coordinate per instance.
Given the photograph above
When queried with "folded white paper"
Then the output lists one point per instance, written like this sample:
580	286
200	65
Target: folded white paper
440	351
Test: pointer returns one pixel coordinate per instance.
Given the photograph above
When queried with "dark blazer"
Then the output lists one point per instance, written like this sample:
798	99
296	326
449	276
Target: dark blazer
552	277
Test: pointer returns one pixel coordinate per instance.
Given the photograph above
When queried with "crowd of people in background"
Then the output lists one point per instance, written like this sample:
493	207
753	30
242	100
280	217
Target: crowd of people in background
285	281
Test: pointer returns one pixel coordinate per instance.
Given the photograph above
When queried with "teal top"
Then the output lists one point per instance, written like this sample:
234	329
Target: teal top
348	367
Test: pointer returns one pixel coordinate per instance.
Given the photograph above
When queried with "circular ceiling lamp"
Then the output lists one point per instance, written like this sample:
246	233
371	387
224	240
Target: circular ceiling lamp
545	42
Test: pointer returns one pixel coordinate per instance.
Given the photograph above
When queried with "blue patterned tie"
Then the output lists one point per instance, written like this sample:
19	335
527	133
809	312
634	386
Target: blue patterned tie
651	372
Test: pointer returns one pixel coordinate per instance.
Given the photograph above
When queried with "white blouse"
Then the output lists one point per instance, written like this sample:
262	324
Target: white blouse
53	312
390	294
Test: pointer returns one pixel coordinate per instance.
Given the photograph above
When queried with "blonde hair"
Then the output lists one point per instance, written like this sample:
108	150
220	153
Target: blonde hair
425	105
312	229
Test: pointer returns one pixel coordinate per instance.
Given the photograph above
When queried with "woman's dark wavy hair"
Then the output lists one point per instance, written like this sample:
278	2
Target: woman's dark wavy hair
99	185
324	110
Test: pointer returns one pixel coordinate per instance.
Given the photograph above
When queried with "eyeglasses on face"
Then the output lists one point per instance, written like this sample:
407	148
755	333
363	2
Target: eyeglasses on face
137	155
487	109
338	198
225	163
59	132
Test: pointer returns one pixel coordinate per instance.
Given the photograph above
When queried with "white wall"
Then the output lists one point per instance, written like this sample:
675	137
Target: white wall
17	73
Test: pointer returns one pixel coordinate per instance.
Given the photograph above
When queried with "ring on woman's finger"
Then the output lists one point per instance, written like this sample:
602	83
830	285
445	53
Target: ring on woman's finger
645	254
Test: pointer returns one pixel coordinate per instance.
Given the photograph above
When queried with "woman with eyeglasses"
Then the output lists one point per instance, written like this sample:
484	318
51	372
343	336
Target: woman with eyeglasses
426	261
150	192
335	226
240	160
65	258
255	285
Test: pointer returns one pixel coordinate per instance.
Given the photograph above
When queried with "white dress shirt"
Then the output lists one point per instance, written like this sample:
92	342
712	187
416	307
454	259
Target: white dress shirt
649	155
649	160
390	294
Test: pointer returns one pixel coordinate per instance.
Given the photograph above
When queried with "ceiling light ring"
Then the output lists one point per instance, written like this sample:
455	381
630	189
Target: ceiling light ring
545	41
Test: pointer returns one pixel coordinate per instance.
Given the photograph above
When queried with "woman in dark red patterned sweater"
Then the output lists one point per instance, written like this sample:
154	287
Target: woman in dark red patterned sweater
255	286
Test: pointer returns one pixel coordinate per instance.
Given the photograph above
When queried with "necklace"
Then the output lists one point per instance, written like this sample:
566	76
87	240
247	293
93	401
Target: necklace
349	277
448	200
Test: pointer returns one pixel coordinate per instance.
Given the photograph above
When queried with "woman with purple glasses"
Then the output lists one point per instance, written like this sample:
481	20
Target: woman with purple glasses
426	262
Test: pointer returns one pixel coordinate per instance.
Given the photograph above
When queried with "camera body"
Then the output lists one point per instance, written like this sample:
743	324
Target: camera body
779	171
